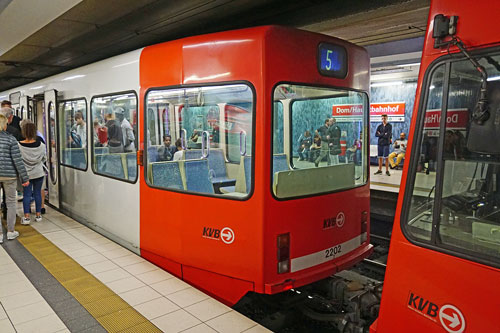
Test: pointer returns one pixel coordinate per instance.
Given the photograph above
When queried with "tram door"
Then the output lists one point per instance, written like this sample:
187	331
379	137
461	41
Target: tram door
51	137
24	107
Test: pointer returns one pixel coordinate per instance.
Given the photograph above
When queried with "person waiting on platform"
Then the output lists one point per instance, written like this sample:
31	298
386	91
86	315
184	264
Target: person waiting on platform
325	137
334	135
167	151
315	147
305	142
399	151
384	135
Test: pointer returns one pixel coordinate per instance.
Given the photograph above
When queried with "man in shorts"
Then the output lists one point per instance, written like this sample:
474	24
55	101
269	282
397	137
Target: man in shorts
384	135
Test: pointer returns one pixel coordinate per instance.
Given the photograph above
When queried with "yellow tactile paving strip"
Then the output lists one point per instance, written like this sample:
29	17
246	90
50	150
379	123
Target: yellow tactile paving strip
113	313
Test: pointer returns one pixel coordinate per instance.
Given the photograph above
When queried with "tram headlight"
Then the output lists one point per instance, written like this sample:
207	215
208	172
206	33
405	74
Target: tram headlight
283	243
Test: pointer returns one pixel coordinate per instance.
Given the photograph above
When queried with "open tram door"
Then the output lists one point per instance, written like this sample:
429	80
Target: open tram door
49	119
24	104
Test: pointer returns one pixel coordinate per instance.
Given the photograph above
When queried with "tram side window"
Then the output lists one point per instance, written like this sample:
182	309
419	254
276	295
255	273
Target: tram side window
114	135
469	201
318	140
202	139
73	133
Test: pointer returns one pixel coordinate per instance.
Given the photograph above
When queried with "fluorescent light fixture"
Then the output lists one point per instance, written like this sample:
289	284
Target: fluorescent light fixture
3	96
494	78
386	84
37	87
432	87
409	65
72	77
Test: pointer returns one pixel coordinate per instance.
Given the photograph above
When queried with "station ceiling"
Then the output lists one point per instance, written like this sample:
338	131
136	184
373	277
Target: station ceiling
92	30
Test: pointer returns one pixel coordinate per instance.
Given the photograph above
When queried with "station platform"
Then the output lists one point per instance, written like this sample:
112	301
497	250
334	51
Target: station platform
60	276
383	182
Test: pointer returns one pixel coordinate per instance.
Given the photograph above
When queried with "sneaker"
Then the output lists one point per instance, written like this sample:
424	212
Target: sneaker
38	218
12	235
379	172
25	221
387	173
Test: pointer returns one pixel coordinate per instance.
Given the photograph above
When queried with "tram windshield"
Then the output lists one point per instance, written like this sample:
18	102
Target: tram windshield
455	202
318	136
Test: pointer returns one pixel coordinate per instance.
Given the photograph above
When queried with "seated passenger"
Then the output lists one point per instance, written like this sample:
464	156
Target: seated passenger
399	151
167	151
178	153
305	142
193	140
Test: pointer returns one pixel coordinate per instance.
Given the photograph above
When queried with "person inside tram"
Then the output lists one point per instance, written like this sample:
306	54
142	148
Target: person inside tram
352	151
127	130
115	136
167	150
178	153
193	140
305	142
80	131
399	151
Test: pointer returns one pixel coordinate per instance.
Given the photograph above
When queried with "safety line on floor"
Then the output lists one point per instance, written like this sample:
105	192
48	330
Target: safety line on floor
109	309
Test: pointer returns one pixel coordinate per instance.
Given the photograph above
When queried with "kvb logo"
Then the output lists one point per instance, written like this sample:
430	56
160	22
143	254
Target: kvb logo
226	234
449	316
331	222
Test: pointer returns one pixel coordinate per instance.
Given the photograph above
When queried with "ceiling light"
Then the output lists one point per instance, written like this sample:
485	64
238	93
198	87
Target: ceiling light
386	84
409	65
494	78
72	77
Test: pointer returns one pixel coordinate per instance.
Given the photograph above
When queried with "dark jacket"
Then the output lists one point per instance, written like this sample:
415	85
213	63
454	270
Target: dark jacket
15	132
166	153
11	162
334	142
323	132
115	137
384	134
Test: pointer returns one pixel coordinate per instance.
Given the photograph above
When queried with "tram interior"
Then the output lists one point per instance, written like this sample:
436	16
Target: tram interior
465	184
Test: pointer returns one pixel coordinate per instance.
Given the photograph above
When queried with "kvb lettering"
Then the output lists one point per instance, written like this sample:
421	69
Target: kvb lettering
423	306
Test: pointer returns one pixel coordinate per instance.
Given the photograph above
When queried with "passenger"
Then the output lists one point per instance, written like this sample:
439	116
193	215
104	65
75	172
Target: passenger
34	155
325	137
167	151
305	142
127	130
11	167
81	130
384	135
399	150
315	147
16	121
334	141
115	137
352	152
13	130
193	140
178	153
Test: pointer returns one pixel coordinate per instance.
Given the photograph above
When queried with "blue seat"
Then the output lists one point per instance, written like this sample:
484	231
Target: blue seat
131	165
192	154
247	164
167	174
75	157
101	150
197	176
111	165
217	167
152	154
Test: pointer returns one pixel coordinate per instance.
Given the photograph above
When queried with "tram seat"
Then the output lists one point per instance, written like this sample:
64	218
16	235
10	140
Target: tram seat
279	163
131	162
101	150
243	179
75	157
217	166
192	154
111	165
152	154
197	176
167	174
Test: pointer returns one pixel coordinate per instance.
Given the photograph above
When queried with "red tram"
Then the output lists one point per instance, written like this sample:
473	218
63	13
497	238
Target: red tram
242	205
444	258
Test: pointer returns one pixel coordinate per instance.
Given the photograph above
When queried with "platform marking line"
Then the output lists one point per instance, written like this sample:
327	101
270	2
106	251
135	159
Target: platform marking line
112	312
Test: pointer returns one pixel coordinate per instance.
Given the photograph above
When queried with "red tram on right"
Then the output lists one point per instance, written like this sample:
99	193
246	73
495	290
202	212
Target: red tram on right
443	269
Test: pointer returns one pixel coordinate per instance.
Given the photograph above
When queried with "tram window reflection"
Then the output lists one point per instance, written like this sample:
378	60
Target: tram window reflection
313	128
73	133
114	135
